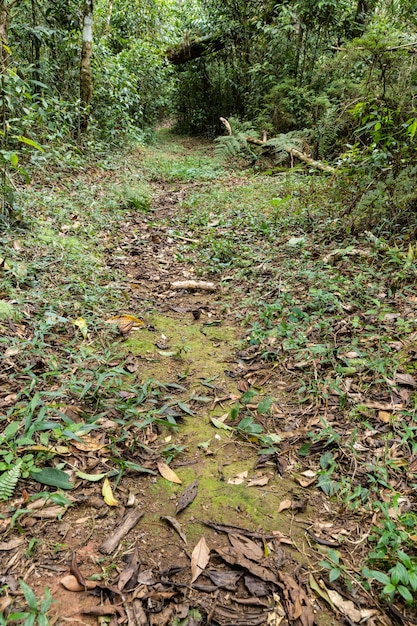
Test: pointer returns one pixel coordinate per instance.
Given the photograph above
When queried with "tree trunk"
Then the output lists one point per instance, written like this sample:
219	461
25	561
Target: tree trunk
4	32
86	79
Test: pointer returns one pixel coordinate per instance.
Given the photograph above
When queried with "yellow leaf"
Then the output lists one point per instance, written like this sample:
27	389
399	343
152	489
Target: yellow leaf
125	323
82	325
167	473
107	492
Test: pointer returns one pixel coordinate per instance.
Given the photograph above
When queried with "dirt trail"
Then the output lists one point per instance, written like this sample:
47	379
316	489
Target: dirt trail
189	346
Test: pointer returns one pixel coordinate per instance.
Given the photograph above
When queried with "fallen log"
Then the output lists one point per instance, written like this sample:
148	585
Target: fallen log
318	165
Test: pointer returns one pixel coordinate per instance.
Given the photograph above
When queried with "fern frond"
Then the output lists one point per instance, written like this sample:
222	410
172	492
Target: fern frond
8	481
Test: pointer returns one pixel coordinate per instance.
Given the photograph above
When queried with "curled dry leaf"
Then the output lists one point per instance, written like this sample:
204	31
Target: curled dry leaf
199	559
70	583
167	473
284	505
107	492
239	479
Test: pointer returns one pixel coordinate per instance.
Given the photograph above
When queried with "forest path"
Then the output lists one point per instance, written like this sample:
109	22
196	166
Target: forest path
162	407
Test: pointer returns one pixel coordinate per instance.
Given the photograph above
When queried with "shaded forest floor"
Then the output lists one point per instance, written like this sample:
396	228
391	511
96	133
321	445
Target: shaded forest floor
242	451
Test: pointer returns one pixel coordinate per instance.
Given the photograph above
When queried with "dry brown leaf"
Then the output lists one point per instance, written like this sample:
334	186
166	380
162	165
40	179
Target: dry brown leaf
188	495
284	505
258	482
176	525
384	416
71	583
247	547
348	608
405	379
87	444
239	479
199	559
167	473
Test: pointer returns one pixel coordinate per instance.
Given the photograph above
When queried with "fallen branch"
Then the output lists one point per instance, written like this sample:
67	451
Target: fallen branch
295	153
194	284
129	522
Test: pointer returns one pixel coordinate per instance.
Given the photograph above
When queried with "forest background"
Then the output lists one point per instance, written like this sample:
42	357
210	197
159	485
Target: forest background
336	78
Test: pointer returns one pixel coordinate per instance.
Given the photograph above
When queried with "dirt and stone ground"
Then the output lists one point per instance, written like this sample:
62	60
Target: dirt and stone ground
244	549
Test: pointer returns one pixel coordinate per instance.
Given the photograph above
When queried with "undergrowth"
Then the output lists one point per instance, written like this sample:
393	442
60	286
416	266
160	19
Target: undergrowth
332	309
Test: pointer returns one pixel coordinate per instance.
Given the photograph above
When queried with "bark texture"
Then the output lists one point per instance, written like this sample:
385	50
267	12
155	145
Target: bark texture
86	78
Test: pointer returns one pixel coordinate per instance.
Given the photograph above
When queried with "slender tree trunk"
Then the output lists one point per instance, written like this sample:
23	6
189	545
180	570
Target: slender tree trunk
108	16
86	79
4	32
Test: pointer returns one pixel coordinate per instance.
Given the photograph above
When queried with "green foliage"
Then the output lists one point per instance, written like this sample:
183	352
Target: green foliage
8	480
35	612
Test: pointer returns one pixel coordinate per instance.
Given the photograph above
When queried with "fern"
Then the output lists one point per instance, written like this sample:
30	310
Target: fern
8	481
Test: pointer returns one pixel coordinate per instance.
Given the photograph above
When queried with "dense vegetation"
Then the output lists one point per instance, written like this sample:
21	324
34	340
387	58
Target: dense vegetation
340	76
323	263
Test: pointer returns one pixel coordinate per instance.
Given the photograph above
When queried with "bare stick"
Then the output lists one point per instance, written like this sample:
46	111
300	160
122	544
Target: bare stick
194	284
130	520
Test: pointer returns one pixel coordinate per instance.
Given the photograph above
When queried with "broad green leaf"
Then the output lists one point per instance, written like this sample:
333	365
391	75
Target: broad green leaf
218	424
138	468
53	477
30	142
29	595
405	593
334	574
91	477
381	577
184	407
265	406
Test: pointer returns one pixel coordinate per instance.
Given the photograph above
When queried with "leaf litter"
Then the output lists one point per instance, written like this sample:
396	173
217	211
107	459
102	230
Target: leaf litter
115	427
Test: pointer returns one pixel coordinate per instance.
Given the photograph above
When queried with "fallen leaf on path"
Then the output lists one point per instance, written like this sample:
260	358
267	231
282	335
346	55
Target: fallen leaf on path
199	559
125	323
167	473
225	579
188	495
234	557
384	416
405	379
70	583
258	482
5	546
247	547
107	492
239	479
82	325
175	525
284	505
